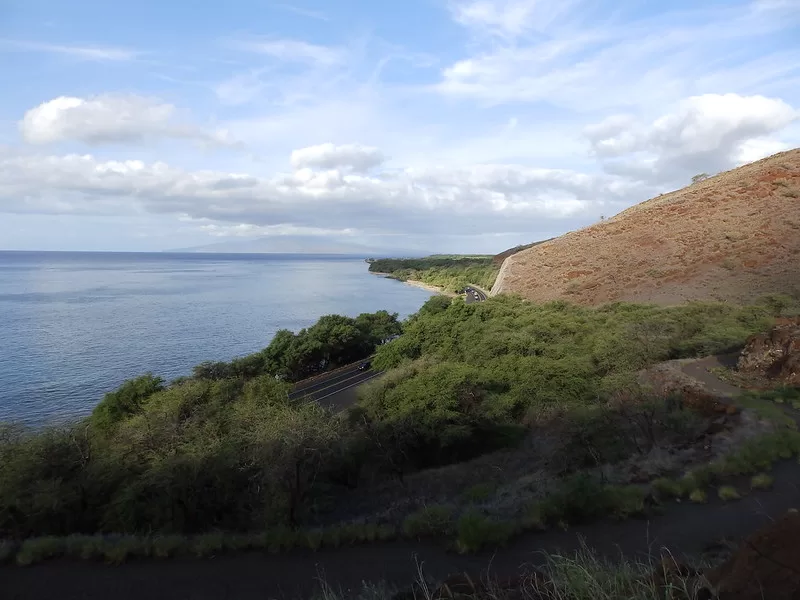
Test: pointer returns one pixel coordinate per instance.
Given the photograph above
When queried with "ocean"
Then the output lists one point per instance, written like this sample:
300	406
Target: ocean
75	325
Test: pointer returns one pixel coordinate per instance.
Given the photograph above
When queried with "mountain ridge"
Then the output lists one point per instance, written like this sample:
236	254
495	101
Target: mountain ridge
732	237
297	245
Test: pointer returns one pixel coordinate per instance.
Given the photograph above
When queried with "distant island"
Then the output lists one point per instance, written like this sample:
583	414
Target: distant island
297	244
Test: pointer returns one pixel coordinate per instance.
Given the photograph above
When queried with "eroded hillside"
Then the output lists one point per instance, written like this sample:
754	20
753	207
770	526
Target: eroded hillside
732	237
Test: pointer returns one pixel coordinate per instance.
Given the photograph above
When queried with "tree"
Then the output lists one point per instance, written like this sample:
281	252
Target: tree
291	449
126	400
700	177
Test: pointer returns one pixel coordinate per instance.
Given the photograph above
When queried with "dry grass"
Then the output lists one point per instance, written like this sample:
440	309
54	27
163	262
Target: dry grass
582	575
731	237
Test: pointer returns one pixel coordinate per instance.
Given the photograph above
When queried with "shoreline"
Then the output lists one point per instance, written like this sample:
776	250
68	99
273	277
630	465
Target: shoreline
419	284
428	287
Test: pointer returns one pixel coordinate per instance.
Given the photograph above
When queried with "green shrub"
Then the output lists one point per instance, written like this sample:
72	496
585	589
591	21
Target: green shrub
434	520
699	496
762	481
480	492
624	501
7	551
314	539
85	547
229	448
701	477
758	454
387	532
580	498
117	550
332	536
668	488
35	550
283	539
728	493
476	531
207	544
166	546
238	542
535	516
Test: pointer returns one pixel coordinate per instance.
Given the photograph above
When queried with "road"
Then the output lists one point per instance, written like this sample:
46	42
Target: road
335	390
473	295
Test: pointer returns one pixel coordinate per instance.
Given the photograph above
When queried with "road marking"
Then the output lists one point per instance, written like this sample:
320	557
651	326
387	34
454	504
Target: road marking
357	374
332	380
334	371
350	386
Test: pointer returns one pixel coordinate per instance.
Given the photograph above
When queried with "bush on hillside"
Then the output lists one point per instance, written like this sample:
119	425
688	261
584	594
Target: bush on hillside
227	449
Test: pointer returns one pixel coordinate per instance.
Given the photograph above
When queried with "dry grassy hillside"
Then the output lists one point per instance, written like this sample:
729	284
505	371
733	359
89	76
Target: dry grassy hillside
735	236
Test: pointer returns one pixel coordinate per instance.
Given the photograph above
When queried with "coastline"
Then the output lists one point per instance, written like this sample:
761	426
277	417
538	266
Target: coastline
430	288
419	284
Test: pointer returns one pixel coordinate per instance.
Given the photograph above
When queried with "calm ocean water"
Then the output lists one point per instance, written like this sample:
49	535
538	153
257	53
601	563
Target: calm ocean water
75	325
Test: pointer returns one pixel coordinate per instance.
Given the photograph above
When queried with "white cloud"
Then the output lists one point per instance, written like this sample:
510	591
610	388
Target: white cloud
573	55
549	114
482	199
294	51
108	119
327	156
303	12
707	133
241	88
509	17
91	53
248	230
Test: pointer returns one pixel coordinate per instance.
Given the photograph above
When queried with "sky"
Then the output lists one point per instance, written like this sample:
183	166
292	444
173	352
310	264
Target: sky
439	125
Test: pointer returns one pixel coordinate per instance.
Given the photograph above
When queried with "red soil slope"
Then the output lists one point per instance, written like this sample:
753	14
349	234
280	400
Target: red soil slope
733	237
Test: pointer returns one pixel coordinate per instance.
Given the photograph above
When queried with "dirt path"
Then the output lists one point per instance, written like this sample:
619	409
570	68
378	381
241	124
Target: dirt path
687	529
699	370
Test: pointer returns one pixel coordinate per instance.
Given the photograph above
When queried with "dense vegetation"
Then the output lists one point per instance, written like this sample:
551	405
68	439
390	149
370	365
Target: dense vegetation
333	341
451	273
227	450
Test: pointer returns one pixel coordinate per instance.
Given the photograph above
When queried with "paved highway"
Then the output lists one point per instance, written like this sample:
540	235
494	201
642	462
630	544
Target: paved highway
473	295
336	390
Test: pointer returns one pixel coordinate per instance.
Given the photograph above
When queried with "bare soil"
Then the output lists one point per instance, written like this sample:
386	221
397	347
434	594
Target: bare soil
767	565
733	237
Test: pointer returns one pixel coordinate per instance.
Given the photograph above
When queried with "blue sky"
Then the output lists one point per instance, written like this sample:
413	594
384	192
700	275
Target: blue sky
442	125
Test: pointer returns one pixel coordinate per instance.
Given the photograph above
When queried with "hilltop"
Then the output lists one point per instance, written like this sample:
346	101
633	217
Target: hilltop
732	237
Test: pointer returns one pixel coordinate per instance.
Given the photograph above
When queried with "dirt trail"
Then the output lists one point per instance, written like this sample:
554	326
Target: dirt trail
699	370
686	529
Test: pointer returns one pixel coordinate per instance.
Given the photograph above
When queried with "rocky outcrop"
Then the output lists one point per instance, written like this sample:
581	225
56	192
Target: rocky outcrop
767	565
775	354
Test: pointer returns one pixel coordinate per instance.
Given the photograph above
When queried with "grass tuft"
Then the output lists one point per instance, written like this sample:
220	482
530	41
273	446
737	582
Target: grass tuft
480	492
166	546
36	550
762	481
668	488
118	550
699	496
434	520
208	544
728	493
476	531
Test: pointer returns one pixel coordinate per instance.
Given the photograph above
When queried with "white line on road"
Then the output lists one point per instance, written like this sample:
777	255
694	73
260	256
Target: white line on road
350	386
